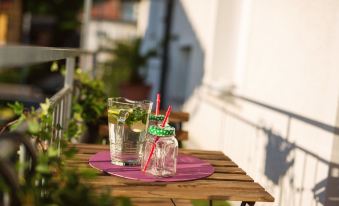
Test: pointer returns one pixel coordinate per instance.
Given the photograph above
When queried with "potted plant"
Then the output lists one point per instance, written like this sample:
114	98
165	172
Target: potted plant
127	58
90	102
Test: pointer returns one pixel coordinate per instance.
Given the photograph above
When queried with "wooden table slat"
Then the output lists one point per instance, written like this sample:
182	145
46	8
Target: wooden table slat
229	182
203	183
177	117
226	176
181	135
211	193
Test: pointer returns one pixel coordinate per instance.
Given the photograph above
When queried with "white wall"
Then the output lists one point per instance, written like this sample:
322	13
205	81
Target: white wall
282	53
143	15
289	62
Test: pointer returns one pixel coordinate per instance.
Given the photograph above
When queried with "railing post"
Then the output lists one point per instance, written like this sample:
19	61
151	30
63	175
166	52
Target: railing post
63	105
70	64
69	78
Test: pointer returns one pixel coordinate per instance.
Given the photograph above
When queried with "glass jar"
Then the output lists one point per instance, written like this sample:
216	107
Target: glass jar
156	119
152	120
160	151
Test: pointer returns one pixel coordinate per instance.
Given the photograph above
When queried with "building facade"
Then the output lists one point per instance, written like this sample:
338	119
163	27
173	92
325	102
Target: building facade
113	20
259	79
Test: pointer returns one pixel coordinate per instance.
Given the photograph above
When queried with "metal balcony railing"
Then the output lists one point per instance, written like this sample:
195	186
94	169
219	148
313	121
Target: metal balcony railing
16	56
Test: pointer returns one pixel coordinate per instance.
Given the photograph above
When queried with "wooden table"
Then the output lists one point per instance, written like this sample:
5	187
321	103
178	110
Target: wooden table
229	182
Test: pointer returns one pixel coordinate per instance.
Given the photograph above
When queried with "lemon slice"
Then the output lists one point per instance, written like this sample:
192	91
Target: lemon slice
137	126
117	114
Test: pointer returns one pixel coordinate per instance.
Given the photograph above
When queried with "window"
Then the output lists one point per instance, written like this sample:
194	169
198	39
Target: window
129	10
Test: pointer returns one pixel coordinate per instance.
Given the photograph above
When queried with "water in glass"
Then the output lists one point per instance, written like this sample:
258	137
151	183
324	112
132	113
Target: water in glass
127	122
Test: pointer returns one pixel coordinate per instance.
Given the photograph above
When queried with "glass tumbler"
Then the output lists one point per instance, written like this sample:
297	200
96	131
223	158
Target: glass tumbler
160	152
127	124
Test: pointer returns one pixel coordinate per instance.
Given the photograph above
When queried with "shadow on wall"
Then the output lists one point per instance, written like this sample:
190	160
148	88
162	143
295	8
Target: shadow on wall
329	197
277	152
280	153
319	191
186	60
279	158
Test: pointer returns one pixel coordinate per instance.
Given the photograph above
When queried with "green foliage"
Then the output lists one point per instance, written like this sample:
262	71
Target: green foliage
88	103
39	124
206	203
91	99
3	186
75	127
53	183
127	64
127	56
113	77
17	108
67	19
11	76
6	115
138	114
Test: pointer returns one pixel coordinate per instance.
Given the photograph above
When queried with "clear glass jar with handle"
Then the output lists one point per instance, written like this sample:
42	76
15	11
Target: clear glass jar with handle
128	122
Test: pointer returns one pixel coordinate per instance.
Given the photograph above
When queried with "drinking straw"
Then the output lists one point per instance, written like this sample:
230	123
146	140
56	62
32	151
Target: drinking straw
168	112
158	105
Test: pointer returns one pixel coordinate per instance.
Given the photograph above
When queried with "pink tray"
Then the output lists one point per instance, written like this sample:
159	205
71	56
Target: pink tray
188	168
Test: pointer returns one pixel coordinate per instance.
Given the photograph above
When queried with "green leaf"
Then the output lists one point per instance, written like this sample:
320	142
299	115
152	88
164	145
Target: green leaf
18	108
33	126
88	173
45	107
123	201
70	152
52	152
19	122
42	168
54	67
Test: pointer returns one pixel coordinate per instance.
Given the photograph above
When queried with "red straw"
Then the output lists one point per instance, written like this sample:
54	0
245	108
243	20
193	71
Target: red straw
150	154
158	105
168	112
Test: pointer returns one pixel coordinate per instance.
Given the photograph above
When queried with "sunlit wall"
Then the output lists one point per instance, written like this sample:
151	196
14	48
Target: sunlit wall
282	54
